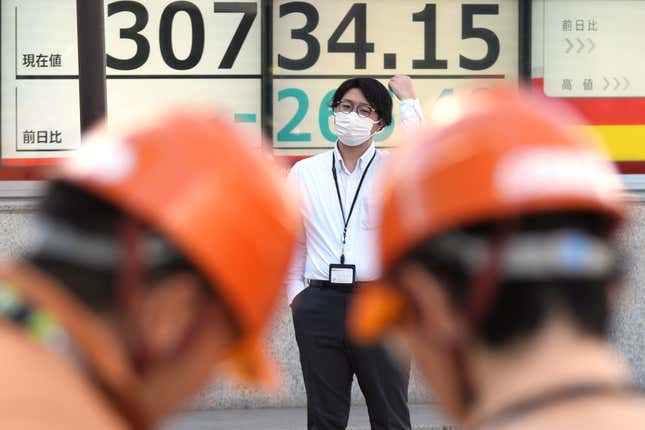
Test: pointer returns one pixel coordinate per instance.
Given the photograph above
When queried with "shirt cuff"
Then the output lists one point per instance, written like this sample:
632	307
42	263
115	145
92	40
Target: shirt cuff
411	110
411	115
293	289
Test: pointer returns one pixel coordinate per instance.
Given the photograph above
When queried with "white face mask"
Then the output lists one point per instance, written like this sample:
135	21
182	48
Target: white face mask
353	129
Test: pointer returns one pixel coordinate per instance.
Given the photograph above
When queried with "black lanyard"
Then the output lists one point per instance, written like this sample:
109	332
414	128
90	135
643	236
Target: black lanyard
340	200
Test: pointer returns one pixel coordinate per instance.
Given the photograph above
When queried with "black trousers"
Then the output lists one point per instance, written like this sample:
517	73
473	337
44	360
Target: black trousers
329	361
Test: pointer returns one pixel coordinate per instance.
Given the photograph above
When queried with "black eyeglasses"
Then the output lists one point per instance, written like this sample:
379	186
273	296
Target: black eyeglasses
363	110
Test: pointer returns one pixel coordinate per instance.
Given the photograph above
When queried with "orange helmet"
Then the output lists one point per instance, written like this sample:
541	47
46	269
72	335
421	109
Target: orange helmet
195	178
499	154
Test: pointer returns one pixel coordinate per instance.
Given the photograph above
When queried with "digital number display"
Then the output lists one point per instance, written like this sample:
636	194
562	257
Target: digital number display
160	54
197	53
200	37
445	46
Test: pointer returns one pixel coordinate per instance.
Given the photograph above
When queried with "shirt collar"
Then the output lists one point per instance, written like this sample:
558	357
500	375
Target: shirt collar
362	160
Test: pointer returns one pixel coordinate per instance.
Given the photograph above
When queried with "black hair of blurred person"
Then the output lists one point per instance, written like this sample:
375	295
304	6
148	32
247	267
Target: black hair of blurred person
375	93
97	288
520	309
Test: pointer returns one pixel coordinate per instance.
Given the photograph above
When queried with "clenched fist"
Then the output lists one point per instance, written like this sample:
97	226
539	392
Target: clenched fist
402	87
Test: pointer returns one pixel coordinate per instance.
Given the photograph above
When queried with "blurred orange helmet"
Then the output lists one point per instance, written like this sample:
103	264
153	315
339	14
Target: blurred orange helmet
196	178
497	154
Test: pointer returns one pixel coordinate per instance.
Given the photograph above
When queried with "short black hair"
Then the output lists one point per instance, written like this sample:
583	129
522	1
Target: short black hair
97	287
375	93
520	309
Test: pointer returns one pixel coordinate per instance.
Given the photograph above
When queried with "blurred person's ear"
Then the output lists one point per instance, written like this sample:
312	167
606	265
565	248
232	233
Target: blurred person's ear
185	332
170	311
435	316
436	336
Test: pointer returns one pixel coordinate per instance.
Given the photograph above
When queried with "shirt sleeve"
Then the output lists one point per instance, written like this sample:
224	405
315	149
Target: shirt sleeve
296	275
411	114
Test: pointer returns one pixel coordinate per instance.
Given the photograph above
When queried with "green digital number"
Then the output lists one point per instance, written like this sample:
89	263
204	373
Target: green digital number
286	133
324	113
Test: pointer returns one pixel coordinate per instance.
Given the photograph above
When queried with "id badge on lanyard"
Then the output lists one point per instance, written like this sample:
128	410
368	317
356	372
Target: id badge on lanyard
345	274
342	274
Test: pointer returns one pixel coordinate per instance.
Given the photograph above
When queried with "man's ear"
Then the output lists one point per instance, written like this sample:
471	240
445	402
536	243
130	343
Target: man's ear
169	309
380	125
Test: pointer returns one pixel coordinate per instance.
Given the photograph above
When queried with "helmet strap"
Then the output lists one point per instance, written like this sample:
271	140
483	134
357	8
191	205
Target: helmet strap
483	292
465	384
130	289
485	283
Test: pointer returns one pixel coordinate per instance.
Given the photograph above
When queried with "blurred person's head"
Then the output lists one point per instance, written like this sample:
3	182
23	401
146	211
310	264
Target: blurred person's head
497	234
178	237
362	107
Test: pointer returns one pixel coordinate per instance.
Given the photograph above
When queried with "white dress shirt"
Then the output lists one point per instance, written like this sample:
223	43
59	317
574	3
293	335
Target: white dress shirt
323	219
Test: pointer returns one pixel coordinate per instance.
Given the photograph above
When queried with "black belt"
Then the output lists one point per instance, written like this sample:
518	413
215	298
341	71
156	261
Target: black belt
345	288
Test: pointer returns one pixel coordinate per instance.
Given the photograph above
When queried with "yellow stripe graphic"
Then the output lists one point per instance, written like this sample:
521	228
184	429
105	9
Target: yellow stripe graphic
625	142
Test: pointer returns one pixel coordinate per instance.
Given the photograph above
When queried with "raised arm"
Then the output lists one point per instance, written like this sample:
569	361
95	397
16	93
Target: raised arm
411	114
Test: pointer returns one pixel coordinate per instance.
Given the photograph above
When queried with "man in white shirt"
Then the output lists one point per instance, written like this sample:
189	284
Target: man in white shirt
338	253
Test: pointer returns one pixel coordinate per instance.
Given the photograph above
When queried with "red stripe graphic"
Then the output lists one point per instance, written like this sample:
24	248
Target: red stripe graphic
605	111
